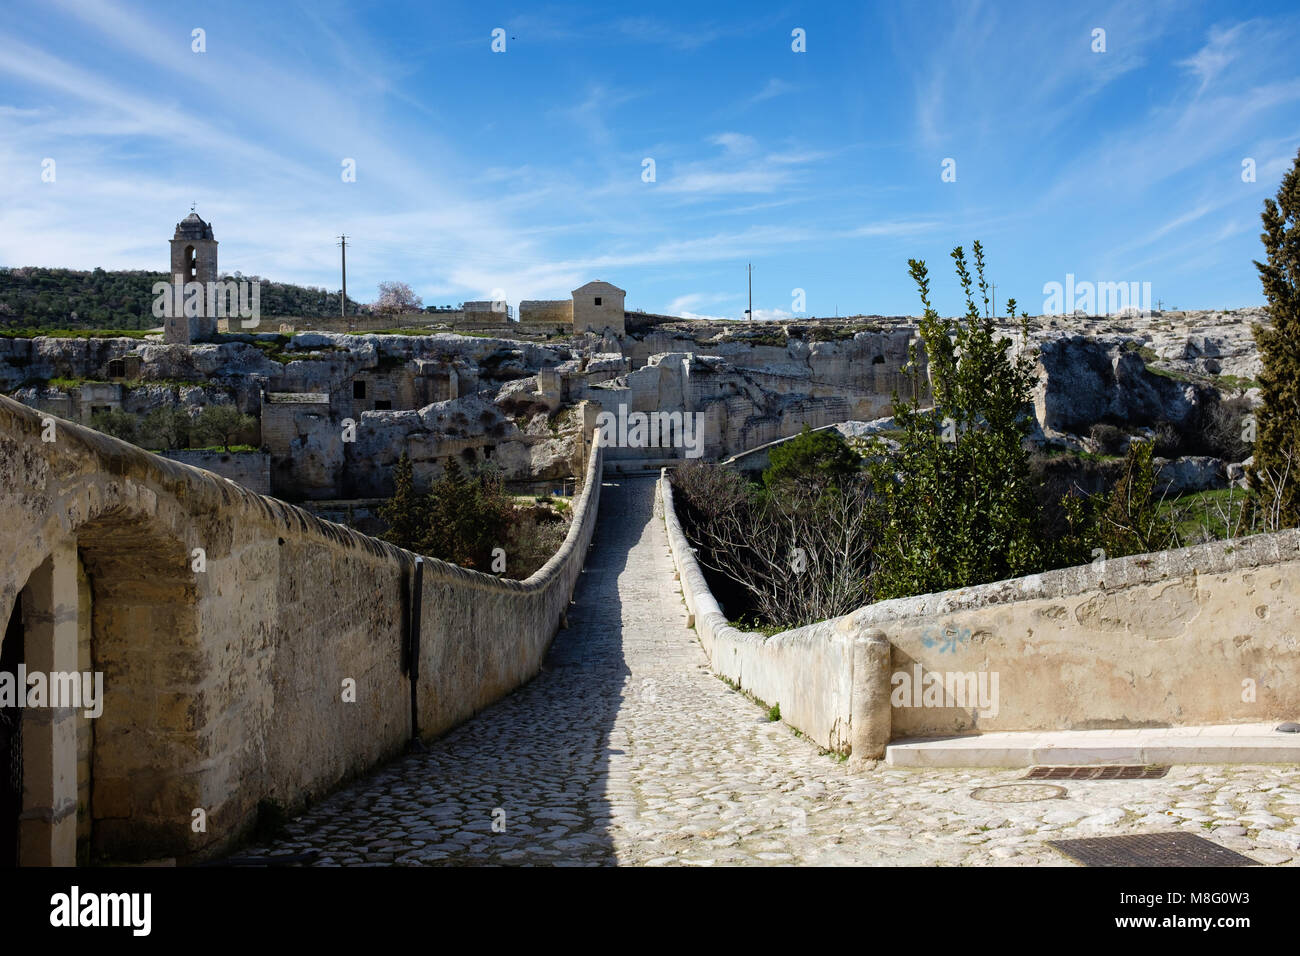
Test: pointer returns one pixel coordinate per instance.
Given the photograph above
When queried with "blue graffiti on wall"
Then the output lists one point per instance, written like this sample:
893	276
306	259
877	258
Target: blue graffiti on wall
947	638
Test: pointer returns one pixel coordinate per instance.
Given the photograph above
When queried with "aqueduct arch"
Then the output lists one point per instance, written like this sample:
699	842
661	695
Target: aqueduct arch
144	640
113	595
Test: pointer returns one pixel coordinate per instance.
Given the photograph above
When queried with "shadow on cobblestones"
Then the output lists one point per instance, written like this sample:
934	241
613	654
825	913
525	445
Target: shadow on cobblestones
525	780
627	749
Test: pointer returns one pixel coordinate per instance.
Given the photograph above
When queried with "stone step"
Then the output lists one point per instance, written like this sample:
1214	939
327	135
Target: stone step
1221	744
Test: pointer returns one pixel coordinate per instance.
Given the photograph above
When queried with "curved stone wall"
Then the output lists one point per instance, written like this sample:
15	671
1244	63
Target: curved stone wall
808	672
250	650
1202	635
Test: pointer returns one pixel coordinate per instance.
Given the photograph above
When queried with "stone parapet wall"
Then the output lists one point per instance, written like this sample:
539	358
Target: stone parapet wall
274	668
809	675
1201	635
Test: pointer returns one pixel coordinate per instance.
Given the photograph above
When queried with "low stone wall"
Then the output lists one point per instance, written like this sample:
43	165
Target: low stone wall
250	651
371	322
252	469
809	674
1202	635
546	312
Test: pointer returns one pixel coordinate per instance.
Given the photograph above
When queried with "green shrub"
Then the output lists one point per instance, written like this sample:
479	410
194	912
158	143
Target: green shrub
221	425
461	519
813	459
959	493
117	423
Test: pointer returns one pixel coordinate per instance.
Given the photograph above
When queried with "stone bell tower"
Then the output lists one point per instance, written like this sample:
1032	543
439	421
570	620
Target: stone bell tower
194	259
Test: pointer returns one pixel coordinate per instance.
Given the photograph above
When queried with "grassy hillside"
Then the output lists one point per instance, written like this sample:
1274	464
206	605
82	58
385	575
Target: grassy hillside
37	298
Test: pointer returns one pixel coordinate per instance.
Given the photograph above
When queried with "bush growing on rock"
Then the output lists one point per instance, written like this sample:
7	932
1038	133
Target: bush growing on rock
1168	441
1110	439
1225	424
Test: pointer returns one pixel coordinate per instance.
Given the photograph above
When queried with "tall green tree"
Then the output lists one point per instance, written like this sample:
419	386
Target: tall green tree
1277	439
959	493
115	422
461	519
407	512
166	427
471	515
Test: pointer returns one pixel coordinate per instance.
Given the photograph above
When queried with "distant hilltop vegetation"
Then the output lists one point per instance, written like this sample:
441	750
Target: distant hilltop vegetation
34	298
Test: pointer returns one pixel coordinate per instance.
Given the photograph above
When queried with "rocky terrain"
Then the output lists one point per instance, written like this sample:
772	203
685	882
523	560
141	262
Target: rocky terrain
526	403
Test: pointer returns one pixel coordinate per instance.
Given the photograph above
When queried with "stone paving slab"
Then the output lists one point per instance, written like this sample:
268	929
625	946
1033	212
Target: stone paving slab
1219	744
627	750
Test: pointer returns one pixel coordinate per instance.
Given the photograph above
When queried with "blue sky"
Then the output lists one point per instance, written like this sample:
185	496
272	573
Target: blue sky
523	170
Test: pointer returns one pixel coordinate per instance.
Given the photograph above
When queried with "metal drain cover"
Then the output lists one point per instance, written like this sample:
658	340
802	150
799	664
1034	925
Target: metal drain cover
1150	849
1018	793
1096	773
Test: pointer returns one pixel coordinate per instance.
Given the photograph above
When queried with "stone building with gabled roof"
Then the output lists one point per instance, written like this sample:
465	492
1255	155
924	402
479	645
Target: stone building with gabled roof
598	306
595	307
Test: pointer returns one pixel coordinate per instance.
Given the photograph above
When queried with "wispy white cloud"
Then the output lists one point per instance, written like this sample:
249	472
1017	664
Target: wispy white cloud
597	110
773	88
679	36
1211	60
742	168
716	182
734	142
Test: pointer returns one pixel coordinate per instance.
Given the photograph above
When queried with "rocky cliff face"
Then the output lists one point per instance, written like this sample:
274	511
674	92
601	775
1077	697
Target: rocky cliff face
1085	380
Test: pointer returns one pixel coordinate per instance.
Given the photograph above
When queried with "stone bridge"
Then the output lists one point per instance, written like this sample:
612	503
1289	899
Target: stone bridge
250	651
255	656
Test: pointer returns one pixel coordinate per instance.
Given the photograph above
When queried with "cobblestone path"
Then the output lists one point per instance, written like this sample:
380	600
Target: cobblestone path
626	749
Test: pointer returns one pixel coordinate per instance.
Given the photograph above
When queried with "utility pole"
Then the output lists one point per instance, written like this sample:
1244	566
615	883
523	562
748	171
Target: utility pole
995	300
343	300
749	313
1159	303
